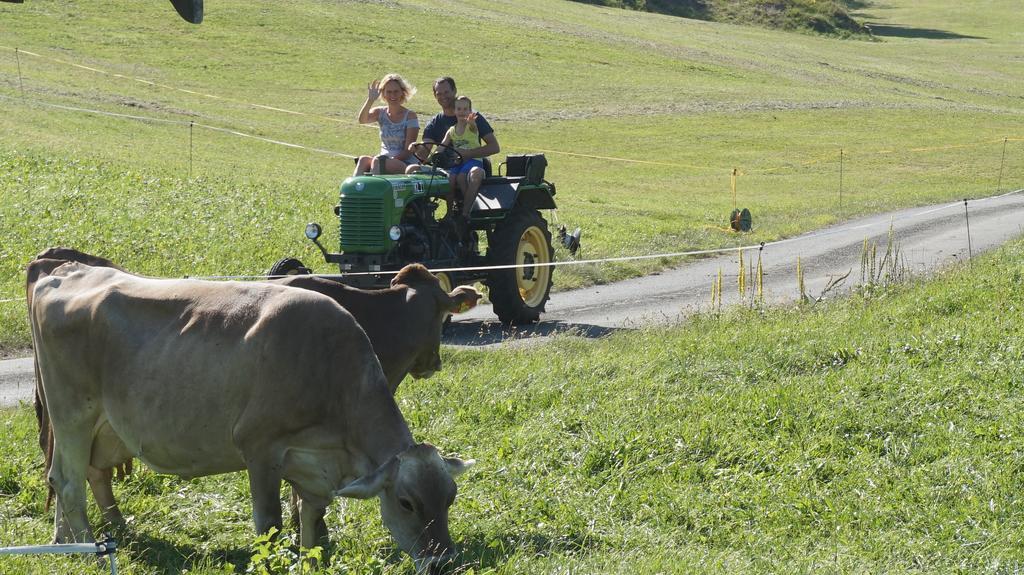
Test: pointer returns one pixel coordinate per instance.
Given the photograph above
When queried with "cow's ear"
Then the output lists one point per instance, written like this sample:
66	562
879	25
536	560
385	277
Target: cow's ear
372	484
457	467
463	298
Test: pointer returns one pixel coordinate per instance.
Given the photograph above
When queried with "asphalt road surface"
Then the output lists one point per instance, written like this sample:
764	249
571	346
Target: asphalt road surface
929	238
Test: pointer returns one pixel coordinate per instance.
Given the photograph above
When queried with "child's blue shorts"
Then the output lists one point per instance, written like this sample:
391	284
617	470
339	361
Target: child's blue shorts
466	166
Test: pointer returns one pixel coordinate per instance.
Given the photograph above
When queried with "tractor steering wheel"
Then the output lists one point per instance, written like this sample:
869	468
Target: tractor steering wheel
446	157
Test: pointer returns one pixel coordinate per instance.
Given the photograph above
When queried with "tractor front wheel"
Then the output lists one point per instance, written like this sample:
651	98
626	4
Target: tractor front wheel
287	267
519	294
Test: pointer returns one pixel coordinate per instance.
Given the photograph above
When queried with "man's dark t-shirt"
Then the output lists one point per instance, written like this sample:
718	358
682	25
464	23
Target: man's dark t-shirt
439	124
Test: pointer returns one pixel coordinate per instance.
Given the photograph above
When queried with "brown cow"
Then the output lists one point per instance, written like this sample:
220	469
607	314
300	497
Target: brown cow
403	322
200	378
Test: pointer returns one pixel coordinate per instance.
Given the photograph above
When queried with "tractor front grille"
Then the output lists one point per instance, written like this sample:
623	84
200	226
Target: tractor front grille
362	224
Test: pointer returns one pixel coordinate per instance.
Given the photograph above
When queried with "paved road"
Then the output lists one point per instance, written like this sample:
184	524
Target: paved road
929	238
16	381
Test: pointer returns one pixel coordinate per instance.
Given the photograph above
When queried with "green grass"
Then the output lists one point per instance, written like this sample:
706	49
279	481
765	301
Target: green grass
877	434
692	99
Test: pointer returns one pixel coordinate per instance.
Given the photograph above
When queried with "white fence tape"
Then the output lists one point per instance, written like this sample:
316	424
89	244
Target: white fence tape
100	112
105	548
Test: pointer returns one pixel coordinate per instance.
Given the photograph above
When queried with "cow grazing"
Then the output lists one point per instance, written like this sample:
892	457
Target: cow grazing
199	378
404	325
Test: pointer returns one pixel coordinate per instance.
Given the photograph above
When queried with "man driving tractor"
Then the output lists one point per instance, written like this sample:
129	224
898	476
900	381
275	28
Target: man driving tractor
446	95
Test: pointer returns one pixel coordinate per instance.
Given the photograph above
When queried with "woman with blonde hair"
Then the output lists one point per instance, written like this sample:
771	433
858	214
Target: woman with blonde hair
399	126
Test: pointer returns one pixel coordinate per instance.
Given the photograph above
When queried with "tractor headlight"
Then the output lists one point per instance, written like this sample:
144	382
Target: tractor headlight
395	233
313	231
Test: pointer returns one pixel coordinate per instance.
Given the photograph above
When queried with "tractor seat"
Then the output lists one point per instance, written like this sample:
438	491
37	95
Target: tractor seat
495	180
490	179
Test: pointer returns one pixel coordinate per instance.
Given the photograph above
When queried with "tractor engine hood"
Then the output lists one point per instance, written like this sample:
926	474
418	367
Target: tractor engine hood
368	206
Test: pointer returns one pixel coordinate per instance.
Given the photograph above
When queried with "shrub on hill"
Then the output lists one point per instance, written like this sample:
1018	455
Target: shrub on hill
822	16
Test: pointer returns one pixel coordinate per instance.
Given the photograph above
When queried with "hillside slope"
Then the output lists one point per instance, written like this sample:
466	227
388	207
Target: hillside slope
644	118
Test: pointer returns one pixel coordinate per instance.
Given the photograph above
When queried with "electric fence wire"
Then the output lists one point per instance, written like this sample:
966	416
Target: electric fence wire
667	255
596	261
181	123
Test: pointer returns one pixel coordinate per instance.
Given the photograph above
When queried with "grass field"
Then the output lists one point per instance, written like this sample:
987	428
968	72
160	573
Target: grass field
881	434
927	111
877	434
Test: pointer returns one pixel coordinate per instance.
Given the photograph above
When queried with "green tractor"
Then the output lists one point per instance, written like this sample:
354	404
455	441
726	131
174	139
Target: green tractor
389	221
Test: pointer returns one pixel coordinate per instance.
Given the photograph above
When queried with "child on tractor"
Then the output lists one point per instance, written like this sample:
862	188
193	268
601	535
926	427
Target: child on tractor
463	136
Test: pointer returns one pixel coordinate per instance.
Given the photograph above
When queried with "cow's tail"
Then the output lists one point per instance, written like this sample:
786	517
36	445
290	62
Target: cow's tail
47	462
45	434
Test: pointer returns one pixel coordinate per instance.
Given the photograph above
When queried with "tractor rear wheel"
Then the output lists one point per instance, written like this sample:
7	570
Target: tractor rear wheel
288	267
519	294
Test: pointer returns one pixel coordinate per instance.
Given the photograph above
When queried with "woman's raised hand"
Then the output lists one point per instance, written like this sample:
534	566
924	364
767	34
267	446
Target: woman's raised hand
373	90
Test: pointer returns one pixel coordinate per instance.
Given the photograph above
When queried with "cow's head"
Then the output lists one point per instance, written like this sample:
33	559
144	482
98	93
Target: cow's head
416	488
431	305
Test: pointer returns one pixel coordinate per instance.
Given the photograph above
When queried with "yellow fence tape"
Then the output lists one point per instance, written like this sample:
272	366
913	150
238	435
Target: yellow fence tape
178	123
177	89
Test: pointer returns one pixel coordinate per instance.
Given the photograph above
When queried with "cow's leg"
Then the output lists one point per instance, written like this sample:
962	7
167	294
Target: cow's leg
108	452
101	482
61	529
67	477
313	528
265	487
293	509
294	503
